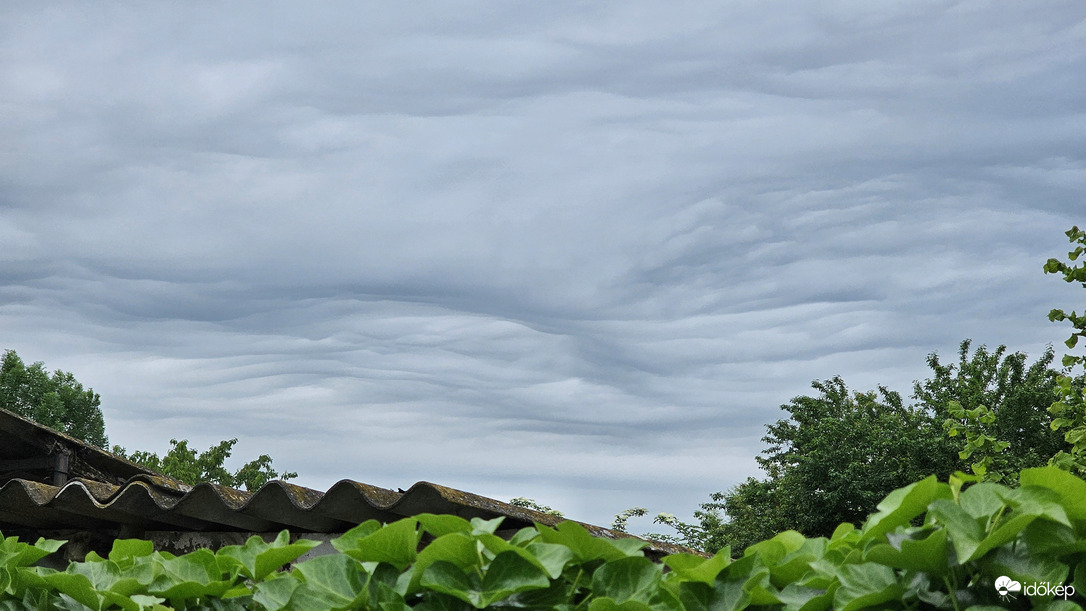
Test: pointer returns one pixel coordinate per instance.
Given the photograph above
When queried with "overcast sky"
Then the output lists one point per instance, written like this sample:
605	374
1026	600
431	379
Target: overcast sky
579	252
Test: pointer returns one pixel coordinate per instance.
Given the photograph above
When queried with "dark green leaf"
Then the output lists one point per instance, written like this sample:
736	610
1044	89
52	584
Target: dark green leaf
697	568
395	543
587	548
799	598
329	582
1071	489
508	574
904	504
925	550
550	557
449	579
457	548
723	595
635	578
443	524
866	585
608	604
257	559
274	594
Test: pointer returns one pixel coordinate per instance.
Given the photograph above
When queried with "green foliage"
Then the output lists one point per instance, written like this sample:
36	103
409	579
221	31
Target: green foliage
929	545
185	464
997	403
1071	272
989	461
56	400
839	452
1069	409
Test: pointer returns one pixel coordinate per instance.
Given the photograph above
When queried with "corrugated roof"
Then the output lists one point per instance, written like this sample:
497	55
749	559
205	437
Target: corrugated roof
52	482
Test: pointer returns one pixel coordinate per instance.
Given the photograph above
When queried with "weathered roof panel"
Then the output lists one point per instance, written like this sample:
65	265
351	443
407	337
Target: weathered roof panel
52	482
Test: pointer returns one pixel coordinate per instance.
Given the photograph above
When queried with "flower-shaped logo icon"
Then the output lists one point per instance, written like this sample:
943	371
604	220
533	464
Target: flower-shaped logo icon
1005	586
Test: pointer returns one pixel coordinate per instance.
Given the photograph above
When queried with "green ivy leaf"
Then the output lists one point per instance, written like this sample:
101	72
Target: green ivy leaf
1052	539
335	581
793	567
449	579
635	578
509	574
79	587
798	598
190	576
441	602
440	525
723	595
920	550
395	543
902	505
550	557
963	530
587	548
127	549
15	553
866	585
256	559
456	548
774	549
274	594
608	604
480	526
1071	489
691	567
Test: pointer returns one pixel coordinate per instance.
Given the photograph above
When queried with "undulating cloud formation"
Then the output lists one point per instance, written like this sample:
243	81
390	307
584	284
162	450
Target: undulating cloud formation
572	252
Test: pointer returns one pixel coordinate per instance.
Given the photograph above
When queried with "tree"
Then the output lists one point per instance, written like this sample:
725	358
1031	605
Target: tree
999	404
183	463
56	400
752	511
841	452
60	402
836	455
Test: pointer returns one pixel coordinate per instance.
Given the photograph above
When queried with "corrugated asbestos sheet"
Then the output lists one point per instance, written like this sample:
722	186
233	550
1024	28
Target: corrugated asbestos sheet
51	483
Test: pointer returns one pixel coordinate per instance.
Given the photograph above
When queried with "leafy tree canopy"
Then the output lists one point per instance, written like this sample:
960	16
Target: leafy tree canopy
59	401
56	399
185	464
838	452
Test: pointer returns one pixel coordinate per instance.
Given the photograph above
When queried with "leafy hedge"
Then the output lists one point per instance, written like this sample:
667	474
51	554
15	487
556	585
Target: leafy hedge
930	545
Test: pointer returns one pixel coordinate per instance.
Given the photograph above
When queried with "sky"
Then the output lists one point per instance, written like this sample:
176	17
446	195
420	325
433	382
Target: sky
576	252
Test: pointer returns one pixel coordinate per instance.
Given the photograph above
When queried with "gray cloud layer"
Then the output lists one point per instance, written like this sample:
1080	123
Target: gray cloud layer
576	253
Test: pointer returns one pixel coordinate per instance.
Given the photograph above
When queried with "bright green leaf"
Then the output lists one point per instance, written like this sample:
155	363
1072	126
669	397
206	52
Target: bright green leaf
395	543
698	568
634	578
866	585
924	550
257	559
902	505
508	574
1071	489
